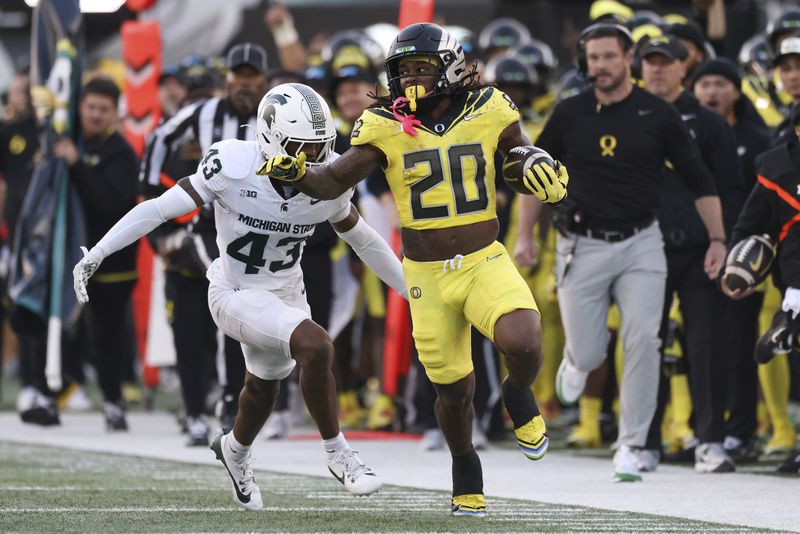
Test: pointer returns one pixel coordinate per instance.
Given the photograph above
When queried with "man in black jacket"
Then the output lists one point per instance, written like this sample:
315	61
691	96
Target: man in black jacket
773	208
685	240
615	139
103	171
717	85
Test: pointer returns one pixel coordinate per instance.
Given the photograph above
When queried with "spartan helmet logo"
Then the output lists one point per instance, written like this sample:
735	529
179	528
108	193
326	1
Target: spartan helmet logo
269	108
285	206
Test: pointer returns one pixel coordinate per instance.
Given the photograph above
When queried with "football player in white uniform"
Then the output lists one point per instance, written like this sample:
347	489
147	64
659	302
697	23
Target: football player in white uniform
256	293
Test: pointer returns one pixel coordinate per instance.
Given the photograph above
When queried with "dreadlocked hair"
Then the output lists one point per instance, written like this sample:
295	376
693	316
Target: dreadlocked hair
471	82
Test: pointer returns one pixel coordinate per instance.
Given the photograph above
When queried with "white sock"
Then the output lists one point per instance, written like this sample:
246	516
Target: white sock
334	445
237	450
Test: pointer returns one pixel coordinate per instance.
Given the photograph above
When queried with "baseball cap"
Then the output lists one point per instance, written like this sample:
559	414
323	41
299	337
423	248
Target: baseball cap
689	31
247	54
789	46
669	47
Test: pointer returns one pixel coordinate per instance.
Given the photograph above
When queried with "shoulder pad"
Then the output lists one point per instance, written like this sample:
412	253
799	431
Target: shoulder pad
238	158
370	127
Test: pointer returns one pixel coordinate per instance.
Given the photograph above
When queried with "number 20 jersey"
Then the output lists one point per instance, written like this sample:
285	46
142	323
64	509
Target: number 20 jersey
260	234
445	175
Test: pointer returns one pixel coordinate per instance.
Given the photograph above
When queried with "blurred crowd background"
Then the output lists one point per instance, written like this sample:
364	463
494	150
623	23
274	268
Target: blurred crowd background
235	54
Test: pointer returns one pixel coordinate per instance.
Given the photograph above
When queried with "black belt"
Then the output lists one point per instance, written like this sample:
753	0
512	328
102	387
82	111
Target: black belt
614	235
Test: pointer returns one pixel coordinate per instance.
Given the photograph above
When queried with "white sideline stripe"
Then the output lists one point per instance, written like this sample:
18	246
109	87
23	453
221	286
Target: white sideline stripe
77	488
736	499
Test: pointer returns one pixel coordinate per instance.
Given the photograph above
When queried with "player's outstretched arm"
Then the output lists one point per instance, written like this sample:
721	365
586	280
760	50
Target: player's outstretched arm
325	181
141	220
371	248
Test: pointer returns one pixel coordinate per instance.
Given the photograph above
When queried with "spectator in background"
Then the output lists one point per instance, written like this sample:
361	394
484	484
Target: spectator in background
19	144
702	306
787	63
717	85
104	174
698	48
171	90
291	52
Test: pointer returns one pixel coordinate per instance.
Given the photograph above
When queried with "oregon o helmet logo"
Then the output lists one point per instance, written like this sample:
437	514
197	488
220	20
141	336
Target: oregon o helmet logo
415	292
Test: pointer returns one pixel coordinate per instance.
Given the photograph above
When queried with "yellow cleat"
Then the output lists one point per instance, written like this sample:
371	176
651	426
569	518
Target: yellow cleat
351	414
472	504
381	414
783	442
585	435
532	438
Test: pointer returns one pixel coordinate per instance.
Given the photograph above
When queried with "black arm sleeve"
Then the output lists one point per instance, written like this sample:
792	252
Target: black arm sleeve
109	189
683	153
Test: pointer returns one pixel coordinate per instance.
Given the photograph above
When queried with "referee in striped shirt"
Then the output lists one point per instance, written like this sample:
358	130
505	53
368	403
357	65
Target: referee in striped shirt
204	123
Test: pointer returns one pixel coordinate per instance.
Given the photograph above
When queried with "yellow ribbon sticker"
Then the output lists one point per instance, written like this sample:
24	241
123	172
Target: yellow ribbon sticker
608	143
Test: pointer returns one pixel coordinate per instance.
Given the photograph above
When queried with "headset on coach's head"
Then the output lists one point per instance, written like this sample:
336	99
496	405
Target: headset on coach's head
624	33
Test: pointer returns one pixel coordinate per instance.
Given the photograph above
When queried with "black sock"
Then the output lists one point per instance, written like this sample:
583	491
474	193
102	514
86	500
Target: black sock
467	474
521	405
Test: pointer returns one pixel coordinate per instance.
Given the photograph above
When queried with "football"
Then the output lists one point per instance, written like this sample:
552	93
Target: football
517	161
748	262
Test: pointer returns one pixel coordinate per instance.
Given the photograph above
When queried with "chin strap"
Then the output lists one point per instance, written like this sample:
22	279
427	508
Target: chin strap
408	123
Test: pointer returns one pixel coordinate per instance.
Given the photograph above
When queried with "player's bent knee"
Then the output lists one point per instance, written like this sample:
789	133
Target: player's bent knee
311	345
258	387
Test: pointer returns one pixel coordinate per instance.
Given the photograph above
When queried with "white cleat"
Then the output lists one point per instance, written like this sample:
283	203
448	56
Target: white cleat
570	382
245	488
625	465
357	477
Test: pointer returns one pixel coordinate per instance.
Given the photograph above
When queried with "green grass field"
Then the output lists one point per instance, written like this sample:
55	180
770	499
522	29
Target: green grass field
47	489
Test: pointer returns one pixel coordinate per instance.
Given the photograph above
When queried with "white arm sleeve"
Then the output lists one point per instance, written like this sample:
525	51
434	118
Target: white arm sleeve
376	253
141	220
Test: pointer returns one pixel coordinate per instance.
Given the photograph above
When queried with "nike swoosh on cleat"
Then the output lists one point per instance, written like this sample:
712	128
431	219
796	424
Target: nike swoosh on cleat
245	498
337	477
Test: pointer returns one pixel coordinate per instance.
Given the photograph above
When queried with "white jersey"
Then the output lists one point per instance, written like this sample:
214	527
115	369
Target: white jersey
260	234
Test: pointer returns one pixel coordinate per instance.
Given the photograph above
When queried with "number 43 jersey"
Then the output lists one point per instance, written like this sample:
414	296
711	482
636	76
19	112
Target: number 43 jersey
261	228
444	176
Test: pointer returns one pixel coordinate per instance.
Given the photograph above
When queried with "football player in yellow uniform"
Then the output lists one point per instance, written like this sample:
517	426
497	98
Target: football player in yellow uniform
435	136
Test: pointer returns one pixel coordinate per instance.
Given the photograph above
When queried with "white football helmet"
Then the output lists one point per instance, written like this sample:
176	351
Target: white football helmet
290	117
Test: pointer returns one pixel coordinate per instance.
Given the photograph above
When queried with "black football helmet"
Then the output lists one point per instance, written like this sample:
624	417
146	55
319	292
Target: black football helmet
536	54
503	33
786	24
510	70
756	55
429	40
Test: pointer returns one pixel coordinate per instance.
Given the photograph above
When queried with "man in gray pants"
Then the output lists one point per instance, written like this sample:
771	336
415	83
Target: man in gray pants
617	137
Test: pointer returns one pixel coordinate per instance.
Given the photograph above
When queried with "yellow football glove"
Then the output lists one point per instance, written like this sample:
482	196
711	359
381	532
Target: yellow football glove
284	168
548	184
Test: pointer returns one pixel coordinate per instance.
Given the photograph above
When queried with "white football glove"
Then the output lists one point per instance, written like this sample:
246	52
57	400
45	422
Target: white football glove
791	302
84	270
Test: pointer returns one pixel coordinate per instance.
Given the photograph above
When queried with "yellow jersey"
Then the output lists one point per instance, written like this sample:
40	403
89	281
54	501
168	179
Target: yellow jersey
444	176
